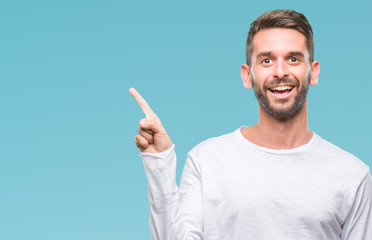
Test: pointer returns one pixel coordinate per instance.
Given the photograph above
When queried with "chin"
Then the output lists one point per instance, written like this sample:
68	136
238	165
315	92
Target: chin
284	114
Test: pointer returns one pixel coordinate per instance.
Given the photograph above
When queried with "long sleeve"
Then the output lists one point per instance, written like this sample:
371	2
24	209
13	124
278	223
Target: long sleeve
358	225
175	214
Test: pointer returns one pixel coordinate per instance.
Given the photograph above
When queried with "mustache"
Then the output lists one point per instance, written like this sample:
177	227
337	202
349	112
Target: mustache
282	81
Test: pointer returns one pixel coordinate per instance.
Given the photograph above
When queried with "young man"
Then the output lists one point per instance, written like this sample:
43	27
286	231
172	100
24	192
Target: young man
273	180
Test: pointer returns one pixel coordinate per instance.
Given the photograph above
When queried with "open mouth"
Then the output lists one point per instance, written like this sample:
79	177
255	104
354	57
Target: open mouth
282	91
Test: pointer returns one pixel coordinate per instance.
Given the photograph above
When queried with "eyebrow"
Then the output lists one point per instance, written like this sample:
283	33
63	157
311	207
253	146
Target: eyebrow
296	53
268	53
263	54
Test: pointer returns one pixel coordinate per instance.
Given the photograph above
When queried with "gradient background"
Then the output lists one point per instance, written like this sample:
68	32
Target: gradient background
69	168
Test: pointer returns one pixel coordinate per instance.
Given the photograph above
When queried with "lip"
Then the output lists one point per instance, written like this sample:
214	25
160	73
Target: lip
280	85
282	96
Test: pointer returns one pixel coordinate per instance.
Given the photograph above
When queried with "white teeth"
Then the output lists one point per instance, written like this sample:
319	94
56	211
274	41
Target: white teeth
282	88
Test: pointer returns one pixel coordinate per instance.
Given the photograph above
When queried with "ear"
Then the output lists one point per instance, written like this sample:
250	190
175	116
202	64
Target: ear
315	69
246	76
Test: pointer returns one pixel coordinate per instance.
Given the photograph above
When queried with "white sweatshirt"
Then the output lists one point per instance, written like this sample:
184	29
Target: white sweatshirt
233	189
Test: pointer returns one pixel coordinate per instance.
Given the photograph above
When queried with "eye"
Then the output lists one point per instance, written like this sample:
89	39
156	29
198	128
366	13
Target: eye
293	59
266	61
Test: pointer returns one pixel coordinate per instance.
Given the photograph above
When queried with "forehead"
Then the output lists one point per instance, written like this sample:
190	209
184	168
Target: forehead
279	41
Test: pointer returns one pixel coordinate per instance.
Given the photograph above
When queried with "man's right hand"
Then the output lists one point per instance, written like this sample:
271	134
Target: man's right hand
152	137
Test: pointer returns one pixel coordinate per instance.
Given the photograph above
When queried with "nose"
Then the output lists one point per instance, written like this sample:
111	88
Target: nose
280	69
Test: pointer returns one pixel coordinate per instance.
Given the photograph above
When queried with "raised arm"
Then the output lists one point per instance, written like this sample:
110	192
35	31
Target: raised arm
176	214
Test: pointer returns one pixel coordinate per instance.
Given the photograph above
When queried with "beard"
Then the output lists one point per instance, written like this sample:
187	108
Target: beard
290	112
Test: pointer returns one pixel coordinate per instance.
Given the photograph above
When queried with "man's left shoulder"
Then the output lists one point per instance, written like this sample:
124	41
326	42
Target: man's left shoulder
339	157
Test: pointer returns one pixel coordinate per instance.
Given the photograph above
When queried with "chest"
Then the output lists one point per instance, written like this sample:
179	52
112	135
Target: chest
291	193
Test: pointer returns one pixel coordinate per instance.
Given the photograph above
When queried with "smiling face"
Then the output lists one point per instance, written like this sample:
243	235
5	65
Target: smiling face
280	72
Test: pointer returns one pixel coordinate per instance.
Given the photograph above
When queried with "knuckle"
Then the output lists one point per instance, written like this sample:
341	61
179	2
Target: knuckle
149	138
143	140
143	133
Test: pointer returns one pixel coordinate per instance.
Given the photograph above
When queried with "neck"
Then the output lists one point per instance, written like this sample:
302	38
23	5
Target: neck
271	133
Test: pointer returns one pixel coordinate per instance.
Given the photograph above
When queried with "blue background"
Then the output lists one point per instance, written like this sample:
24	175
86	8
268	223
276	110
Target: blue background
69	168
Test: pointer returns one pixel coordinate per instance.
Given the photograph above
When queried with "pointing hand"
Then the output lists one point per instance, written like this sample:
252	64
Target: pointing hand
152	137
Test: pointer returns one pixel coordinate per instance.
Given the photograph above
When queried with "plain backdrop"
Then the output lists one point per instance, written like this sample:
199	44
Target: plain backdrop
69	168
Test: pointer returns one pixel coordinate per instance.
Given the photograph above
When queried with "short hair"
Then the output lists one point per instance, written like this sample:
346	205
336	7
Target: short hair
281	19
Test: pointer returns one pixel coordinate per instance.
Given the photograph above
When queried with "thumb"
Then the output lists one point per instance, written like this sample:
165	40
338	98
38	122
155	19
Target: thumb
153	124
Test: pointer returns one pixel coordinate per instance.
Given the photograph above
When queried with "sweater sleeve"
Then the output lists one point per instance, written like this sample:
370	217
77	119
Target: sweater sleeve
359	222
175	213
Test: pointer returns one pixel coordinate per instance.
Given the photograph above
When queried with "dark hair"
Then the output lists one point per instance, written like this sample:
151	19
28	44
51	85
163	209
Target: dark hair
281	19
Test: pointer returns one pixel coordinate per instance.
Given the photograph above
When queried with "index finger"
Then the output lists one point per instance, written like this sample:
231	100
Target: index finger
142	103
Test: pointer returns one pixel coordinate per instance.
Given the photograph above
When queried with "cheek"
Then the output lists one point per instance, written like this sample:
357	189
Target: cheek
260	74
301	73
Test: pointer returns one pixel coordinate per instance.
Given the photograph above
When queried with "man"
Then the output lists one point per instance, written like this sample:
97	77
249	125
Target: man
273	180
